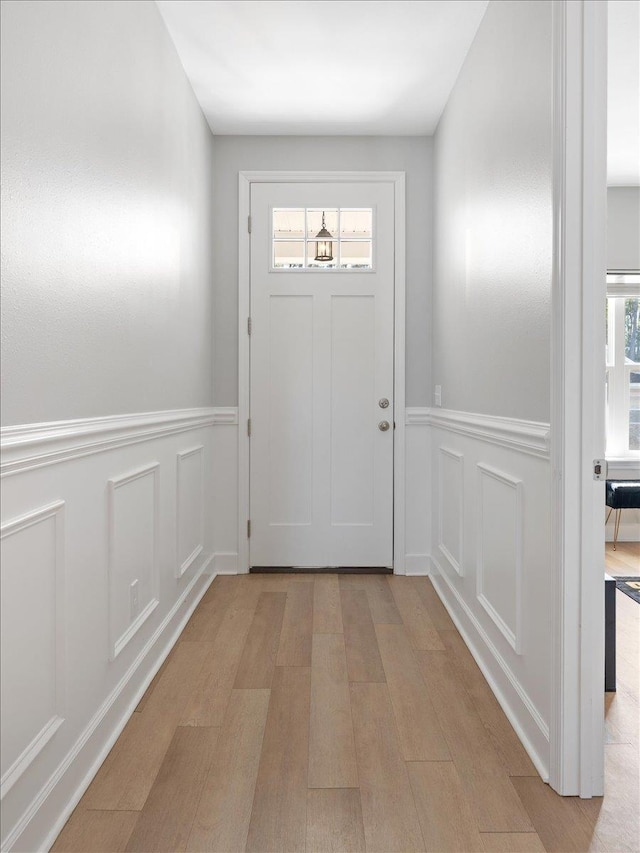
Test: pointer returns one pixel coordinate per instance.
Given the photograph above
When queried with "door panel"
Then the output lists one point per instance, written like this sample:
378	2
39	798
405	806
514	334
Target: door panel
321	472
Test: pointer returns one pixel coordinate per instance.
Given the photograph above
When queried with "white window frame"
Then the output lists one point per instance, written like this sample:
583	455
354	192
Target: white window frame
620	287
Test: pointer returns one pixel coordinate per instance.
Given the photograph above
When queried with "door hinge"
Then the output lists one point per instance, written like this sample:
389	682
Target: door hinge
249	529
248	325
599	469
249	224
249	426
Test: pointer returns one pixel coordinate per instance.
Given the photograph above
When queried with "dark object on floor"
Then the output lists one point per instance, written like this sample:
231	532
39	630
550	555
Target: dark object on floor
609	634
621	494
331	570
630	587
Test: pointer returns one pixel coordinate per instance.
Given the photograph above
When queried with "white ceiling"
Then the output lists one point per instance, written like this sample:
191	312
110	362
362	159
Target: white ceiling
322	66
624	93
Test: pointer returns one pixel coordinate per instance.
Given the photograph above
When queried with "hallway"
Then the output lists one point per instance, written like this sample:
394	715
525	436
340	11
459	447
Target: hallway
321	713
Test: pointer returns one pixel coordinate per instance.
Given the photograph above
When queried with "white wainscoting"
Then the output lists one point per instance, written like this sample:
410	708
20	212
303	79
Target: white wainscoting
417	492
108	531
491	556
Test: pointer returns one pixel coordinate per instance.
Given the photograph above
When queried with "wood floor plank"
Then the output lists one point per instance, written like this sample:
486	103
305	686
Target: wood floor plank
96	832
512	842
615	816
279	813
142	703
388	809
208	701
207	618
332	756
435	608
297	626
415	617
125	779
327	612
166	818
561	825
504	739
381	601
334	821
446	817
222	820
258	660
481	770
419	732
363	657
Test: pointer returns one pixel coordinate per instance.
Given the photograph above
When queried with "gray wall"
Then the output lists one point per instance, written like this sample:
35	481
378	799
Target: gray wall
106	215
243	153
623	228
493	220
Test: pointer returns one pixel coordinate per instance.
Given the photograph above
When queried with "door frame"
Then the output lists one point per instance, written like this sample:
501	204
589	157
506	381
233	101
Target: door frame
576	764
245	179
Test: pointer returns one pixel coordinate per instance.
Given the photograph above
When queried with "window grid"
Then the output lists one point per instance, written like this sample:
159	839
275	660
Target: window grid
307	241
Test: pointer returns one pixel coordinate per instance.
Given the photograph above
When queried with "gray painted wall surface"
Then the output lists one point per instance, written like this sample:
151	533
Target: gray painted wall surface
493	220
106	215
623	228
233	154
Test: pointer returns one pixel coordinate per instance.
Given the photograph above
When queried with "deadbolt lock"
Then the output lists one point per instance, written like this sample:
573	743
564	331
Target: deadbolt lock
383	403
383	426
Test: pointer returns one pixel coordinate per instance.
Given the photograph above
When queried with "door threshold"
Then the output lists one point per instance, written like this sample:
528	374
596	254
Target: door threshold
329	570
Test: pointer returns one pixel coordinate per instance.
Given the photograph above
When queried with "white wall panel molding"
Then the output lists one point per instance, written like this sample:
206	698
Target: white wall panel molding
530	437
190	481
518	706
133	553
33	695
225	415
451	507
42	821
225	563
417	416
30	446
499	551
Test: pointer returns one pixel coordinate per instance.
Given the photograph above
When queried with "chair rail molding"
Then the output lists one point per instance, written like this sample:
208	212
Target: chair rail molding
530	437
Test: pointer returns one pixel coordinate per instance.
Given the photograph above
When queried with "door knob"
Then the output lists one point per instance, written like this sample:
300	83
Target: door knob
383	426
383	403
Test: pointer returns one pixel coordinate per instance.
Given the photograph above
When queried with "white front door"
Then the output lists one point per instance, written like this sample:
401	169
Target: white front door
321	401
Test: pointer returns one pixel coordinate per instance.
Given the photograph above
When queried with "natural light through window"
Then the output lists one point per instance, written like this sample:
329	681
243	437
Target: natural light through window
322	239
623	364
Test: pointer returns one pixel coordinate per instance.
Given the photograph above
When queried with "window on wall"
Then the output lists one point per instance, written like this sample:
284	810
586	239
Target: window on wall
322	239
623	364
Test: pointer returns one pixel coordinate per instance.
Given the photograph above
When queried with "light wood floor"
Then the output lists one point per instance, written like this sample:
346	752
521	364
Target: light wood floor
341	713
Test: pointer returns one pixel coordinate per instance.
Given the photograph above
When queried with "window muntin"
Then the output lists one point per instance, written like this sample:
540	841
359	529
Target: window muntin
294	239
623	364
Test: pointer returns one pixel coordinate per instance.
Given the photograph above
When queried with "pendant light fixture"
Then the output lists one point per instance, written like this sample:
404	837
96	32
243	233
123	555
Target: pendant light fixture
324	244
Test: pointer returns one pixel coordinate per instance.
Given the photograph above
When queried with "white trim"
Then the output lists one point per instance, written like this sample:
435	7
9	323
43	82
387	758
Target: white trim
577	395
624	463
225	415
56	511
514	638
530	437
183	567
30	446
225	563
417	565
245	179
101	714
415	416
445	588
457	565
117	644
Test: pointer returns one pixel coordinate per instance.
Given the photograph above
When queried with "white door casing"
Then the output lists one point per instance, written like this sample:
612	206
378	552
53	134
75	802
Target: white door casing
322	342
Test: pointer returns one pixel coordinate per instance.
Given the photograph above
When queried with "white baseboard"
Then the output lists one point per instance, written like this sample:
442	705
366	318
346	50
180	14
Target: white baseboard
516	704
225	563
43	821
417	564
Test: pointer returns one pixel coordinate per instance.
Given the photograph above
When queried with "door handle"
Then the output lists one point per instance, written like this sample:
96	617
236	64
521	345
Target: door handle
383	426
